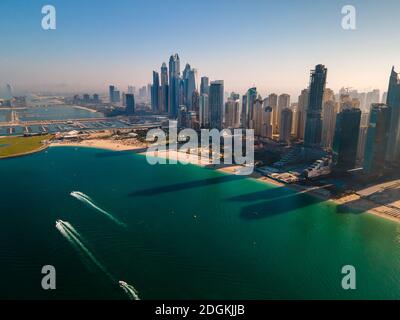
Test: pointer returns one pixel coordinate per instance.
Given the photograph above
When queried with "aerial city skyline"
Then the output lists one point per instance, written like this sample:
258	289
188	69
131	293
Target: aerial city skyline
358	129
214	149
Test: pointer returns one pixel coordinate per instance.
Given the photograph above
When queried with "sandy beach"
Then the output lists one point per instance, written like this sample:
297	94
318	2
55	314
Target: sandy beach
107	144
353	201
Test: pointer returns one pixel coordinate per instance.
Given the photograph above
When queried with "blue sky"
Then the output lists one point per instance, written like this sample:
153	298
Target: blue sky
270	44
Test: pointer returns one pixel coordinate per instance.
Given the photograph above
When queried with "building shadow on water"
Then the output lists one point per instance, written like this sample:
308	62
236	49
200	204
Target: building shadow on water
185	185
272	202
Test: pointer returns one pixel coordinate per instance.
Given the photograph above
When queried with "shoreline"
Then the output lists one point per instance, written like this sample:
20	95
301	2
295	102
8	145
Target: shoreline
17	155
27	149
363	205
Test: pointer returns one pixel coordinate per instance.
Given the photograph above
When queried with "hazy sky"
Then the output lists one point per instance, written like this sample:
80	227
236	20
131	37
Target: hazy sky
270	44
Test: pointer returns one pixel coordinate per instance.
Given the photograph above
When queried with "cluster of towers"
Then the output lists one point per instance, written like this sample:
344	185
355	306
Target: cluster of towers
356	128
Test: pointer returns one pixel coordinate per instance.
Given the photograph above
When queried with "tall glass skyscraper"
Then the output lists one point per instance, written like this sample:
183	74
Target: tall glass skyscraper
189	85
164	89
154	92
313	129
248	111
204	86
174	84
345	141
130	104
376	144
204	114
285	125
111	93
216	104
301	113
393	101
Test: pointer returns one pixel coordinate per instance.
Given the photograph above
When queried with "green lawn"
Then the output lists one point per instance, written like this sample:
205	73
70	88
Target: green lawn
14	146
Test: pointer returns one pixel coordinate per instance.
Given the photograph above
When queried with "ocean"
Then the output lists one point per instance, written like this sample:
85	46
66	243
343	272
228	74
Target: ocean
179	232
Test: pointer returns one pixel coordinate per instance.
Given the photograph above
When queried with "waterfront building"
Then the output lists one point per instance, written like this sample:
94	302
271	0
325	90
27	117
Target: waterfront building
313	129
362	138
377	141
346	139
393	101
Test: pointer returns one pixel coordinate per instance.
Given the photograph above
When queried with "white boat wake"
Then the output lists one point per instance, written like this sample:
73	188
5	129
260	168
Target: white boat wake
87	200
129	290
73	237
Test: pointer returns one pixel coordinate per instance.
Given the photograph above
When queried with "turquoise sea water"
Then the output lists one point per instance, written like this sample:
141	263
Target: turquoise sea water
179	232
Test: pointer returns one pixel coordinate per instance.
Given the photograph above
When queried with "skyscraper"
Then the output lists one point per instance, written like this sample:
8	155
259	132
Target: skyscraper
302	106
313	130
362	138
231	113
273	103
393	101
204	114
111	93
164	89
216	103
328	123
266	130
377	144
116	96
190	87
195	102
130	104
155	92
204	86
174	85
247	112
283	102
256	121
285	127
243	119
346	139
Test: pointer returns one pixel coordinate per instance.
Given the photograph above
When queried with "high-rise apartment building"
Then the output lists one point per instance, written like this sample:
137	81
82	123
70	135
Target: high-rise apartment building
216	104
346	139
285	127
302	106
393	101
313	130
377	141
